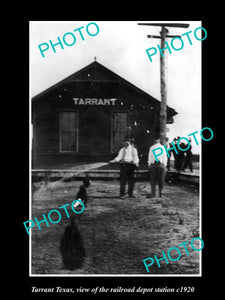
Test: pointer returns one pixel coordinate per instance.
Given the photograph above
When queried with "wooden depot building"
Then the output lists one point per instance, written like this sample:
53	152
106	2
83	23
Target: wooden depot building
85	117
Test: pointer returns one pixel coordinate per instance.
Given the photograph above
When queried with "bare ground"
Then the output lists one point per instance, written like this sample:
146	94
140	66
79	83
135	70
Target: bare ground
118	233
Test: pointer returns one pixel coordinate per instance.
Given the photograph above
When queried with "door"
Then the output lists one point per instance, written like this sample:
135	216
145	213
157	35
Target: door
119	130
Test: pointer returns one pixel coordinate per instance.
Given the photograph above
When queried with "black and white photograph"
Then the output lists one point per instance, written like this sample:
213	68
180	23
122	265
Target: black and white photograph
115	148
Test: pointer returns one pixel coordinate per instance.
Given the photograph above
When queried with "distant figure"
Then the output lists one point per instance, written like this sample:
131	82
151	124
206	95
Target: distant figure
168	146
82	193
180	155
188	159
71	247
175	155
158	169
129	161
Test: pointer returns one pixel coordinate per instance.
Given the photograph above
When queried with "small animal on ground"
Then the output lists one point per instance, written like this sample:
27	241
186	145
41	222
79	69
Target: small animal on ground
82	193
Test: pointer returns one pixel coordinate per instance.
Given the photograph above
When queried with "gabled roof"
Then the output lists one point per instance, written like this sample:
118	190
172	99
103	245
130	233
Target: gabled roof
96	72
92	72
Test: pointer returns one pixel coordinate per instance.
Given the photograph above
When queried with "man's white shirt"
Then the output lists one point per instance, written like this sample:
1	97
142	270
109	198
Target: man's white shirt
162	158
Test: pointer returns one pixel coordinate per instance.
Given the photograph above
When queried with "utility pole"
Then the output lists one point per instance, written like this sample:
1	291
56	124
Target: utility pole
163	35
163	113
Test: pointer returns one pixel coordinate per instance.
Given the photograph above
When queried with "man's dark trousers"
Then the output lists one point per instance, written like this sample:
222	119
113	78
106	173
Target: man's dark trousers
157	176
188	162
127	175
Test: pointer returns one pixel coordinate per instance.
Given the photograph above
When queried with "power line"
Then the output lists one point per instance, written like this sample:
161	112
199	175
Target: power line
163	35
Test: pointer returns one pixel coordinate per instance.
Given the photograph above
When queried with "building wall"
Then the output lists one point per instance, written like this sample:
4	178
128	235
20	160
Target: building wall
95	133
100	128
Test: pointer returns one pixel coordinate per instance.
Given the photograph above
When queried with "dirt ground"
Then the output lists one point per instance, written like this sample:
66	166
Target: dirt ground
118	233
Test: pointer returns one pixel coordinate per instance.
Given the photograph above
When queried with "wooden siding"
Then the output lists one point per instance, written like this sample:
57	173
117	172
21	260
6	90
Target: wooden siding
95	125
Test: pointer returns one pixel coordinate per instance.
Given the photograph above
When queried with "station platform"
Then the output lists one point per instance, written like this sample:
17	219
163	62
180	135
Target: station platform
104	171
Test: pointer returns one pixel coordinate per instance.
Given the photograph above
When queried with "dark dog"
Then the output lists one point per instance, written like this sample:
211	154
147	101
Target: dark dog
71	247
82	193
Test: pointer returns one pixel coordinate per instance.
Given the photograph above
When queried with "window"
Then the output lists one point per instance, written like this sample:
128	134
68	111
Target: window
68	132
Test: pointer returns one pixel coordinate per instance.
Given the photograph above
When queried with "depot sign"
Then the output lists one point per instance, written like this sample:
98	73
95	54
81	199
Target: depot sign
94	101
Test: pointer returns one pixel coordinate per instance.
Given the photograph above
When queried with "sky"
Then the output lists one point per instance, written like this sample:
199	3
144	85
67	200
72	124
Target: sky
121	47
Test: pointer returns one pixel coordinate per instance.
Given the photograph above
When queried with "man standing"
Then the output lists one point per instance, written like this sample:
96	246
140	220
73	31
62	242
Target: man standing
158	169
188	159
168	145
129	161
